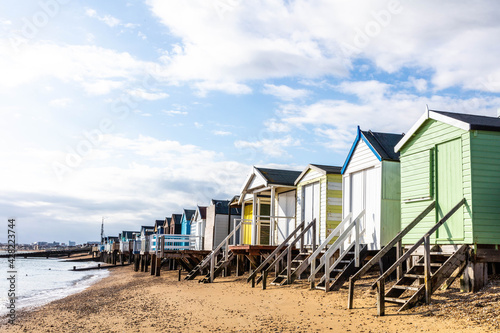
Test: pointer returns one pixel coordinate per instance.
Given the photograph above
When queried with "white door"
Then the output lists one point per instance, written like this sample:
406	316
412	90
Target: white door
311	209
286	208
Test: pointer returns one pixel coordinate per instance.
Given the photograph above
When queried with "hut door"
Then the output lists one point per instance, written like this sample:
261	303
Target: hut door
286	208
247	226
449	189
311	209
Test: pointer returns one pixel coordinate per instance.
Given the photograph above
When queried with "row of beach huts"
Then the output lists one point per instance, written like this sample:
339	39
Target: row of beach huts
421	209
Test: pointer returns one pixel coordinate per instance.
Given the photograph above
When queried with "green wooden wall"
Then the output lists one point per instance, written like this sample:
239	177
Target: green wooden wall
419	180
390	210
485	157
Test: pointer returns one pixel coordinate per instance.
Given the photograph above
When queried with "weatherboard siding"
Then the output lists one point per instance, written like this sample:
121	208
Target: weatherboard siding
362	158
390	214
418	178
485	177
333	202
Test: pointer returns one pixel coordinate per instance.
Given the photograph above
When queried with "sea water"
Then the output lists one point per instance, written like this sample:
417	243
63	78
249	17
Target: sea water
40	281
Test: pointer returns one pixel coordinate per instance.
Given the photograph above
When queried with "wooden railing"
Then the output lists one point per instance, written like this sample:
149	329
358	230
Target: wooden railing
380	283
395	241
342	231
223	246
273	254
288	253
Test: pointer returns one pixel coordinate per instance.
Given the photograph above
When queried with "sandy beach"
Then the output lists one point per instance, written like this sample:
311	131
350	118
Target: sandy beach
127	301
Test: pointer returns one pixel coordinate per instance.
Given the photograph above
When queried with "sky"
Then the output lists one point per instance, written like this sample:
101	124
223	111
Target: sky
133	110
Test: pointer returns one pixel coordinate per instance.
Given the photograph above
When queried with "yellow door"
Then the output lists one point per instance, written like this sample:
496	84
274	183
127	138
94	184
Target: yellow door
247	227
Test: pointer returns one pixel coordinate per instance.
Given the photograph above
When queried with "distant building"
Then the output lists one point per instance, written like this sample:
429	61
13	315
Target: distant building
70	243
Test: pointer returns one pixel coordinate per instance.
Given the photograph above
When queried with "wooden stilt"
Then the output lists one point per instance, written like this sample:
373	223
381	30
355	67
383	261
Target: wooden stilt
381	298
153	264
264	280
180	274
158	266
142	263
350	297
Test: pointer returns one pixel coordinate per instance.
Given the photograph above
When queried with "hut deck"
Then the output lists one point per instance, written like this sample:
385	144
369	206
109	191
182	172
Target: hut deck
252	249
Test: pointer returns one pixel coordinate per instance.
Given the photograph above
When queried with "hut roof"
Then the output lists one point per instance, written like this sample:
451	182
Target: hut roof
279	176
381	144
467	122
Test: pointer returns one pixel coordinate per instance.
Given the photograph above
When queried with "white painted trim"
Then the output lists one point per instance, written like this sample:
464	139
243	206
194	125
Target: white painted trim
309	167
429	114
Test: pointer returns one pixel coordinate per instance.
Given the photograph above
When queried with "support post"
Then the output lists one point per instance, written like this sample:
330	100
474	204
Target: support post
381	297
427	269
327	273
180	274
153	264
212	268
356	244
158	266
399	270
312	277
264	280
350	297
142	263
289	265
146	263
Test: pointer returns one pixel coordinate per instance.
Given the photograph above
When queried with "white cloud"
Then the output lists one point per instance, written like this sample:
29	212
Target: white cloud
60	102
150	96
379	107
274	147
107	19
174	112
221	133
228	87
162	176
281	40
97	69
419	84
284	92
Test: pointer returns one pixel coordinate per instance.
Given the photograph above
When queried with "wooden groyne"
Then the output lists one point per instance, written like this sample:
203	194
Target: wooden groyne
99	266
47	254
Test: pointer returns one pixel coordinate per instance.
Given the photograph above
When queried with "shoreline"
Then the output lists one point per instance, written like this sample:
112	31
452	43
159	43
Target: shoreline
134	301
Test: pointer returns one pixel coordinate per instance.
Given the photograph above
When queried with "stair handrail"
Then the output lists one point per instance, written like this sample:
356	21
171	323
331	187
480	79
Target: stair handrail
329	238
270	257
224	243
396	240
206	260
393	242
311	224
415	246
336	245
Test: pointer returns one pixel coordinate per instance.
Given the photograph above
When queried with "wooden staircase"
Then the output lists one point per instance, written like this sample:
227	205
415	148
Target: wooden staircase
420	280
342	269
340	259
221	264
216	265
299	265
410	289
294	266
198	268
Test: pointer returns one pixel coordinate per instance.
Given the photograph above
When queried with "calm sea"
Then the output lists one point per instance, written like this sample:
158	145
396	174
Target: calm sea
40	281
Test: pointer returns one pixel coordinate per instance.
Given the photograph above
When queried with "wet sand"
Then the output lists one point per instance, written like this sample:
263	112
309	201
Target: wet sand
127	301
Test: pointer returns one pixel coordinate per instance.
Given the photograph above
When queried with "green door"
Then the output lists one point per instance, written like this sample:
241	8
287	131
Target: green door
449	189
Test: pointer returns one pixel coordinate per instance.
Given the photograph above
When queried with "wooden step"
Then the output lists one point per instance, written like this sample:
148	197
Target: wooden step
395	300
414	276
433	264
397	286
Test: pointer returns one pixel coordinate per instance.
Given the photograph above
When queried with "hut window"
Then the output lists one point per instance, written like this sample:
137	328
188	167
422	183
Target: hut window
416	175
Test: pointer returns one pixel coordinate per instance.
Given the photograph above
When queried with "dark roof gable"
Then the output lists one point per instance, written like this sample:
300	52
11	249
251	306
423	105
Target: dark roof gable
384	144
329	169
480	123
277	176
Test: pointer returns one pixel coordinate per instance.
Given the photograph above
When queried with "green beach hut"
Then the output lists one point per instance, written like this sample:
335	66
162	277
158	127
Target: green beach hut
447	157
